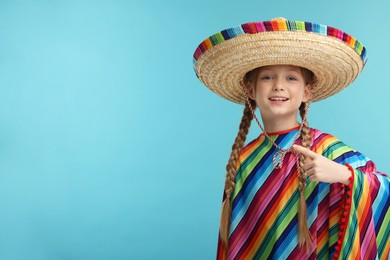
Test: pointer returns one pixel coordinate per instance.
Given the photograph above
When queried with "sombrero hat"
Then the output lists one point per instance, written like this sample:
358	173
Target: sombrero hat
335	57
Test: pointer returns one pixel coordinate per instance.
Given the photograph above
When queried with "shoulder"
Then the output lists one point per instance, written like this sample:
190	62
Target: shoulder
320	138
248	148
336	150
326	144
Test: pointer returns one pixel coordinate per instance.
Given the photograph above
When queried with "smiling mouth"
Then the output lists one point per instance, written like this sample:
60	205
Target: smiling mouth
279	99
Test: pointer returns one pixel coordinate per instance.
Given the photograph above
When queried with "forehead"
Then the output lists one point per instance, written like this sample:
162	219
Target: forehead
280	68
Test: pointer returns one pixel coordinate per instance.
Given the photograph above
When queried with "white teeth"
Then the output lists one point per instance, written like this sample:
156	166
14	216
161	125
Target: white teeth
278	99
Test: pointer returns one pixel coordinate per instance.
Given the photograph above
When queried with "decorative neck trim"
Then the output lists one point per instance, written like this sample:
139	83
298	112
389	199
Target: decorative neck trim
284	131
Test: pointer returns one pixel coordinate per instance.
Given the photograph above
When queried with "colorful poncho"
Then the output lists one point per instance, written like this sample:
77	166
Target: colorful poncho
345	222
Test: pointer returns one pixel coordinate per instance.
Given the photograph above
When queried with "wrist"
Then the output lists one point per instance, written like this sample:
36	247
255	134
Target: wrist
346	175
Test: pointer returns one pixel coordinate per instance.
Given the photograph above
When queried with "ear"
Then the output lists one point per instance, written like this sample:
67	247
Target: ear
307	93
250	90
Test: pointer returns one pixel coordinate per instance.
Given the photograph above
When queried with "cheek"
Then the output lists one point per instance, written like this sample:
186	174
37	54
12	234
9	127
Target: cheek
300	94
260	96
259	91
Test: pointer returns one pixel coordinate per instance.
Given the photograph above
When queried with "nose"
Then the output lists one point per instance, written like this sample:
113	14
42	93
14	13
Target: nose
278	86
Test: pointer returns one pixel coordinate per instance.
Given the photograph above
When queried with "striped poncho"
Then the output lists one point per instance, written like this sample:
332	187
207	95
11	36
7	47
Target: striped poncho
345	222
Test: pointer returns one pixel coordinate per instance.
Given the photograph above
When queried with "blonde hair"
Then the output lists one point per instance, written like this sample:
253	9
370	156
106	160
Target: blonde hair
231	167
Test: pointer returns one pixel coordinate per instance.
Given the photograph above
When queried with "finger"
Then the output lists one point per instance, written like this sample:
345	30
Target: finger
313	178
309	172
308	165
306	152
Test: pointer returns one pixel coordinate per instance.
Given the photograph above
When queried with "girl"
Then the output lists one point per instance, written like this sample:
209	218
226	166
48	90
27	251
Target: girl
294	192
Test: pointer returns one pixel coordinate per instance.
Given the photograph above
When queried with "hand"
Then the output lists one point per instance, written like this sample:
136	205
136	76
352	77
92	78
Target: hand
320	168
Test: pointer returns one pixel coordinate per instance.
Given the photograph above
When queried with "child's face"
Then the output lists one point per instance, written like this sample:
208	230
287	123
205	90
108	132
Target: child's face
279	91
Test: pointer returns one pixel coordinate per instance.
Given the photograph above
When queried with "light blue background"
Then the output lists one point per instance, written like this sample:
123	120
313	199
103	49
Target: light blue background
110	148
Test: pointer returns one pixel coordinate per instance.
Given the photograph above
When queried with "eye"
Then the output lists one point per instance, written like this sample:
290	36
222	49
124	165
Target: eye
293	78
266	77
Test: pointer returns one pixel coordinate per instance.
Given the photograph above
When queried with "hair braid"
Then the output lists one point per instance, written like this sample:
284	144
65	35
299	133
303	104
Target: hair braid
231	169
303	229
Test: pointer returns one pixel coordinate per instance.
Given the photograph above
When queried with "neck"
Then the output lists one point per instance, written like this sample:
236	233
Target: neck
273	125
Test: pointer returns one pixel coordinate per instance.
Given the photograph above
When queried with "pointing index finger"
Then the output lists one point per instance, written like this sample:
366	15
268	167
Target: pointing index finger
306	152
